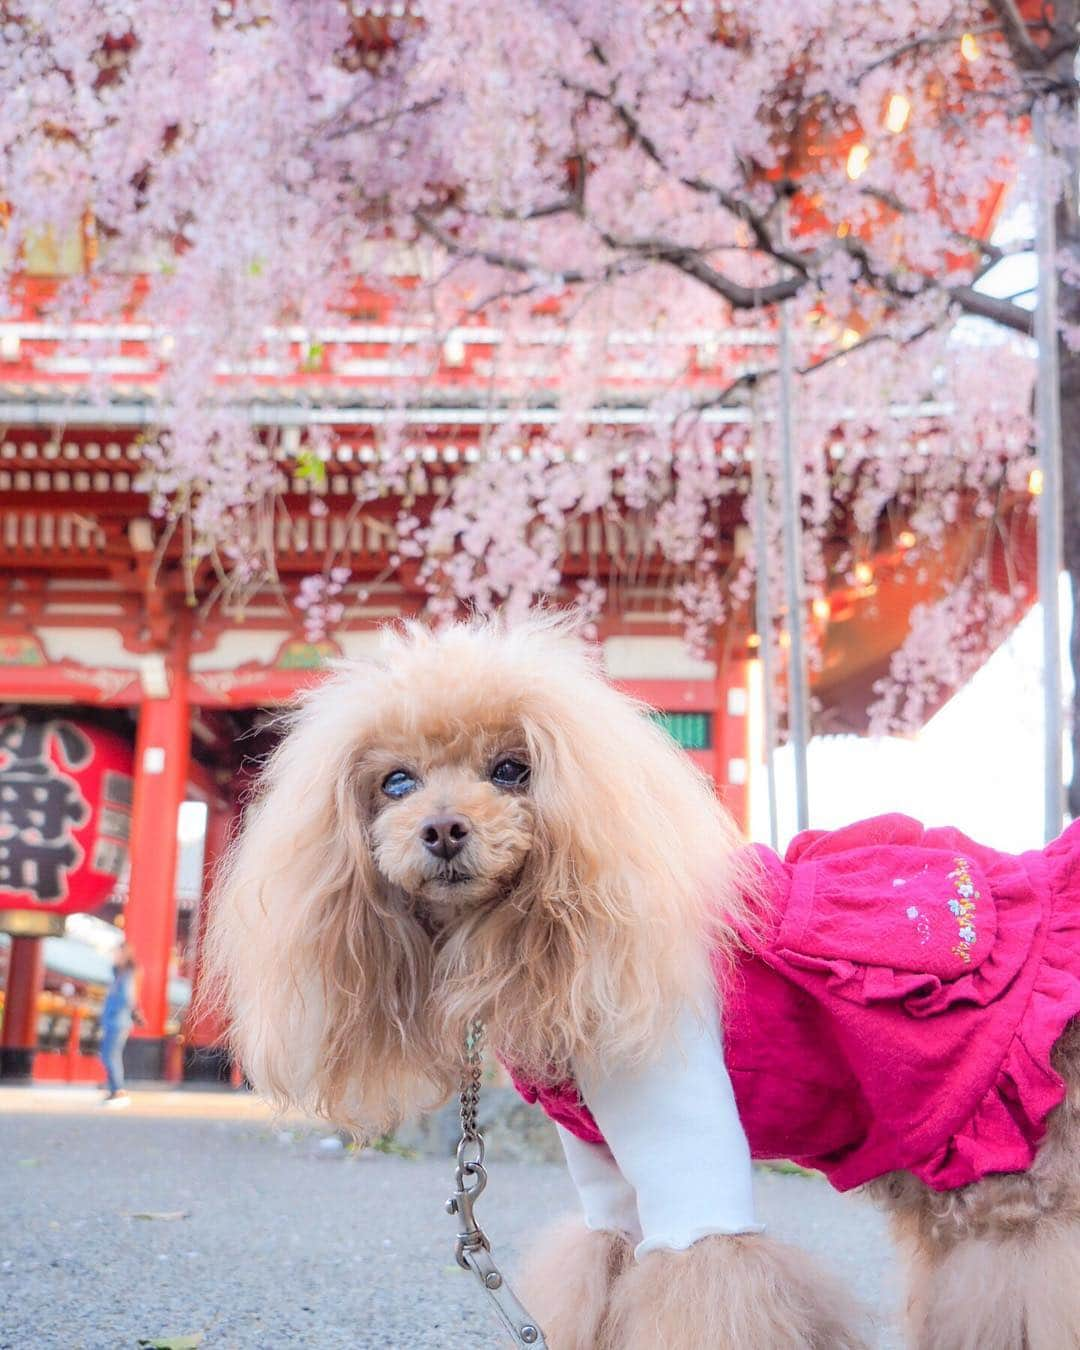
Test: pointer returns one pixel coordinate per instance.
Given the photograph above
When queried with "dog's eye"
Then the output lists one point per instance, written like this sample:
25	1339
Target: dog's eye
399	783
510	773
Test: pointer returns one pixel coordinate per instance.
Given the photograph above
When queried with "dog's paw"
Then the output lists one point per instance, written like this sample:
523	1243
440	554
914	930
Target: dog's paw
732	1293
566	1284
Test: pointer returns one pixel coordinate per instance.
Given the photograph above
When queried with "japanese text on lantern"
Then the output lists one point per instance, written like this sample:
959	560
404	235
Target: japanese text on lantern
40	806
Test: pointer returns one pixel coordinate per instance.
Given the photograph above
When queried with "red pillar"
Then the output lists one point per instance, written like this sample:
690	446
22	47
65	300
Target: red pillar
204	1030
162	755
731	739
25	981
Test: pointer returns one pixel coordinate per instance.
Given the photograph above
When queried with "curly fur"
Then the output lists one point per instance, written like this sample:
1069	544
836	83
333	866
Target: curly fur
996	1265
567	1282
726	1293
350	970
731	1293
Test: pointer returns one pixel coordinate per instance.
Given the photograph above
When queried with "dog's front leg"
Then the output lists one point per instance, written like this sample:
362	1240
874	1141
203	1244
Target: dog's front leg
568	1278
705	1277
731	1293
567	1281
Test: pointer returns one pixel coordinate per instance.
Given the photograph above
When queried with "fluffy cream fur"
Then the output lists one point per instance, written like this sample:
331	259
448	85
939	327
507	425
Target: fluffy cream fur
742	1293
567	1281
996	1265
351	965
730	1293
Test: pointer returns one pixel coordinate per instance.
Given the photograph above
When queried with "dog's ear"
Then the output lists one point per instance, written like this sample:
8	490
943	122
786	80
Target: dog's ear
634	880
322	974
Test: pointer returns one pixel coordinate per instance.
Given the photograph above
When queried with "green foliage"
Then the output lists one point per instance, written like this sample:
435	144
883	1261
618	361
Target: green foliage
311	467
313	356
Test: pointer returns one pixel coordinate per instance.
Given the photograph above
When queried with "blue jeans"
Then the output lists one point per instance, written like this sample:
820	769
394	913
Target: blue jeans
113	1039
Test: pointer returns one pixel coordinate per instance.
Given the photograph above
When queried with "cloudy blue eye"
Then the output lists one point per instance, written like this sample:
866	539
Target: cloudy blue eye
510	773
399	783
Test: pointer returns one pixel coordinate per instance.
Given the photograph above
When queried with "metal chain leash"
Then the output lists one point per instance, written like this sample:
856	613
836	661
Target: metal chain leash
470	1086
472	1249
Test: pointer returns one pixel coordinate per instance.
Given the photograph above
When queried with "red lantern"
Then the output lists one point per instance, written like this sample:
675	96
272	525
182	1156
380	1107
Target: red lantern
65	814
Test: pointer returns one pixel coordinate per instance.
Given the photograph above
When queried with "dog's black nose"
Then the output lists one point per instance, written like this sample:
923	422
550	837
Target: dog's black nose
444	836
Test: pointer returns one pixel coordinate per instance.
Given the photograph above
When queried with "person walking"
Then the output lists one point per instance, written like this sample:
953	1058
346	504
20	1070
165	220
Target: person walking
119	1013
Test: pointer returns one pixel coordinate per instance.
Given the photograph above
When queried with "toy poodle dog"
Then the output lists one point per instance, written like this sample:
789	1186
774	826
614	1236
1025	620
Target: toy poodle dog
478	825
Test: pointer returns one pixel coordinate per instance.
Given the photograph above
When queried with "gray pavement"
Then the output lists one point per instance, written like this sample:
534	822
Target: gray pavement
266	1238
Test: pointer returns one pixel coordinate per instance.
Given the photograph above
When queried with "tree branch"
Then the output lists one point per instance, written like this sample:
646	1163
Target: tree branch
889	199
330	132
1027	54
741	210
691	261
510	262
749	378
687	260
926	40
1003	312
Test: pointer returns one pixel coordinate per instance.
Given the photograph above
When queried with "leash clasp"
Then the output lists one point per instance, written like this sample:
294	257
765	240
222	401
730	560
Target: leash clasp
472	1250
471	1237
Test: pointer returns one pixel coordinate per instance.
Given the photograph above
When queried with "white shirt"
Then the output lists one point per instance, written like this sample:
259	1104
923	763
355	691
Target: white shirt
676	1166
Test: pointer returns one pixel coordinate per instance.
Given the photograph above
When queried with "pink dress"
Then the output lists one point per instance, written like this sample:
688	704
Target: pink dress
899	1011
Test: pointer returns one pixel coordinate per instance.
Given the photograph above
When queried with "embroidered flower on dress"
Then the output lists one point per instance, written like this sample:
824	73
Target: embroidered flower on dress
964	908
921	922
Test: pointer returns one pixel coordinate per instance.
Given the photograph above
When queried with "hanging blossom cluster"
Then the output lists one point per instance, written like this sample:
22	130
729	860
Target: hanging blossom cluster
319	601
504	532
945	648
583	169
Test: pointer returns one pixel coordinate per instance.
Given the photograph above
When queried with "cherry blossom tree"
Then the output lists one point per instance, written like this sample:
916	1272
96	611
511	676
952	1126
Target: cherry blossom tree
583	167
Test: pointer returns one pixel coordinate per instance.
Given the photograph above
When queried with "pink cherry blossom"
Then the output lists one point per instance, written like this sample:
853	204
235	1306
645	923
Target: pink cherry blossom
622	191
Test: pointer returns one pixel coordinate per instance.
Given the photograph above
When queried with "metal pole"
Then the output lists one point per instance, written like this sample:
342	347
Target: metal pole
1048	437
791	507
759	526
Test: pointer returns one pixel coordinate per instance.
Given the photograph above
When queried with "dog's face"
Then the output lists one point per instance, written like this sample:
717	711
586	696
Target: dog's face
450	813
475	824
